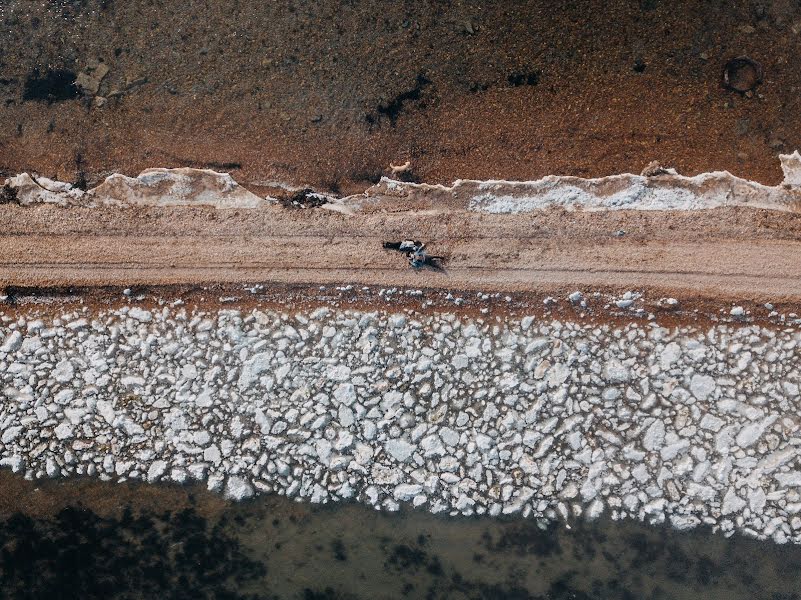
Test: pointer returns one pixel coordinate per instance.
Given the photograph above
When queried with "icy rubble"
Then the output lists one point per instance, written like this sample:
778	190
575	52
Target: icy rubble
666	191
152	187
626	191
540	417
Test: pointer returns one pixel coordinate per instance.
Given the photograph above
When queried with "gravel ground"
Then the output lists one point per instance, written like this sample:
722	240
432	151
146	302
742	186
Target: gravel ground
547	418
330	93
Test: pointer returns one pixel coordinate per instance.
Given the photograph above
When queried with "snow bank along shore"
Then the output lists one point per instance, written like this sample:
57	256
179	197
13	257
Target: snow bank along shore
446	412
662	189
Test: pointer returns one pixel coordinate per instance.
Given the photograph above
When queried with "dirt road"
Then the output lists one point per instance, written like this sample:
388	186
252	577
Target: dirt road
731	253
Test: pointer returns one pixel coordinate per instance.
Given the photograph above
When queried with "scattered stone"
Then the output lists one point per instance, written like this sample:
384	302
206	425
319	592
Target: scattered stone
732	503
702	386
90	78
156	470
12	343
749	434
711	422
64	371
654	169
654	436
742	74
405	492
345	394
616	372
238	489
10	434
141	315
63	431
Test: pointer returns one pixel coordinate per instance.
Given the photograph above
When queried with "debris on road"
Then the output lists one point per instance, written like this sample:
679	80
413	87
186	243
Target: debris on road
305	198
416	253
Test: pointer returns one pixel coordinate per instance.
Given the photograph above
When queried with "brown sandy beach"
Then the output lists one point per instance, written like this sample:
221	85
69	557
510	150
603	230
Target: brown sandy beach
730	254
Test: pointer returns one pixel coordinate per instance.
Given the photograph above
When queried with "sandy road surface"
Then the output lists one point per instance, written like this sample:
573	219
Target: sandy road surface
726	253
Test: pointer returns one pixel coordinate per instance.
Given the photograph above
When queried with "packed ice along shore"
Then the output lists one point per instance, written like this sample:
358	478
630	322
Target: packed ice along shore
656	188
452	414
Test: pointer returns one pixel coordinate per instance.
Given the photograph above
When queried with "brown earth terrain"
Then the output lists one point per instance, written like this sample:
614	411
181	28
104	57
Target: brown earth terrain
329	93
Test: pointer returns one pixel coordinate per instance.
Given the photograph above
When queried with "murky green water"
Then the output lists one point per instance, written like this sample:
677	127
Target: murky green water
274	548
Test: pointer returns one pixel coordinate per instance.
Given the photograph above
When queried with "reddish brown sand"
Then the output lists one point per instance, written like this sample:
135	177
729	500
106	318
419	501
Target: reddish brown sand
329	93
722	255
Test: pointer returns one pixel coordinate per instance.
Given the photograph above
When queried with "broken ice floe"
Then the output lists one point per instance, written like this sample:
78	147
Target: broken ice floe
535	417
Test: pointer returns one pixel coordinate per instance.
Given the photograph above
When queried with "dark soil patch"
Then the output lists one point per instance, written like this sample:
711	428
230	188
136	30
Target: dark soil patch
8	195
525	78
393	108
51	86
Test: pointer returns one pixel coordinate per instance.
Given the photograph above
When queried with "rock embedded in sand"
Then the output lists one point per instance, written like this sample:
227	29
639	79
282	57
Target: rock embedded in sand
64	371
237	488
156	470
12	342
654	436
10	434
90	78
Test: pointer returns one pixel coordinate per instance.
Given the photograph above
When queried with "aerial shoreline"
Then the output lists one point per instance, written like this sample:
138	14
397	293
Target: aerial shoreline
340	300
633	362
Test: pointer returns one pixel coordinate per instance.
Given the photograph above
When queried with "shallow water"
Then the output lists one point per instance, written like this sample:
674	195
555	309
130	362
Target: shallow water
275	548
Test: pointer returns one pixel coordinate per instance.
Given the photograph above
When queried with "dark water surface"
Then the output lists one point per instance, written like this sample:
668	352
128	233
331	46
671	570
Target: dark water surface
114	546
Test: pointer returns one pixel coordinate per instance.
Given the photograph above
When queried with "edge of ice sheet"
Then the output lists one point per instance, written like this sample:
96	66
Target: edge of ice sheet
665	191
152	187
